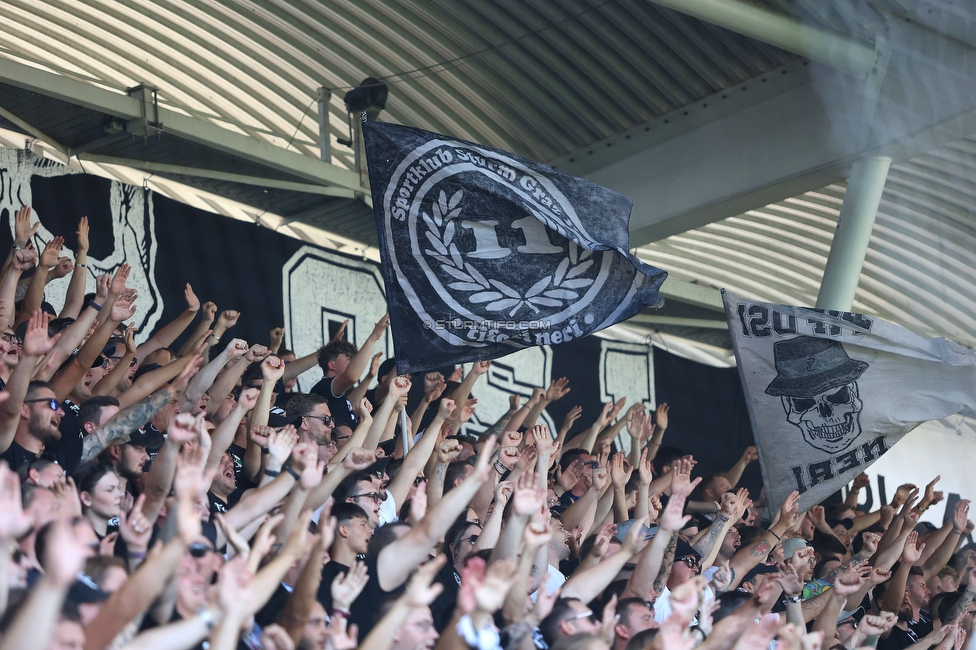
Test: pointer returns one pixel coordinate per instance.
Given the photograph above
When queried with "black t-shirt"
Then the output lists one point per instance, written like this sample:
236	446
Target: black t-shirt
217	505
898	639
339	406
68	449
271	611
329	572
364	608
443	605
17	456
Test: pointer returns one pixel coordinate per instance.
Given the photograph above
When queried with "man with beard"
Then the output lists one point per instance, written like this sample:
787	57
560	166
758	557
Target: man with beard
316	423
223	485
40	415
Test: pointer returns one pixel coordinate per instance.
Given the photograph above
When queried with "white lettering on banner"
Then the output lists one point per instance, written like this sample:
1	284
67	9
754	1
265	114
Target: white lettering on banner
313	281
626	370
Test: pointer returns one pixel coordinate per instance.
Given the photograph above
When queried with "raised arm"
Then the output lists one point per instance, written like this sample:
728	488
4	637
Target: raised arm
204	379
36	344
396	561
74	297
418	455
125	422
207	312
168	333
35	289
348	378
734	473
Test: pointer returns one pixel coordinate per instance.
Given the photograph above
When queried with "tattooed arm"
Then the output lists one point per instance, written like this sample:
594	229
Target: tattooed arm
965	601
750	556
661	581
126	421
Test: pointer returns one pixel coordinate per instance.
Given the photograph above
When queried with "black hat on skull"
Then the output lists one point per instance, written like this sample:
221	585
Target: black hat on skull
807	366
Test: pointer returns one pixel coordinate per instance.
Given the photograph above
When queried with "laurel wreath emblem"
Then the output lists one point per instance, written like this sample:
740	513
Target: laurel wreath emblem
551	291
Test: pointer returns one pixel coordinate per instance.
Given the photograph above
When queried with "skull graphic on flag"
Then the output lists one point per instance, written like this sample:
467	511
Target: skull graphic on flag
817	383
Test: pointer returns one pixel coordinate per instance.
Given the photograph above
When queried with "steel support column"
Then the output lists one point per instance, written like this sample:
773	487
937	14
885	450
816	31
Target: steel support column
850	243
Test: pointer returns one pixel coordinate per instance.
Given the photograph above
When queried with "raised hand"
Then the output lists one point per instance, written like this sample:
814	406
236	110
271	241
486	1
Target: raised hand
36	341
848	582
24	259
236	349
347	587
570	476
557	389
380	326
480	367
64	554
661	416
913	549
671	518
23	230
448	451
227	319
960	515
122	310
51	253
681	483
400	386
14	522
62	268
135	527
571	417
272	369
276	337
421	589
256	352
117	286
511	439
281	443
529	496
620	470
248	399
209	311
359	459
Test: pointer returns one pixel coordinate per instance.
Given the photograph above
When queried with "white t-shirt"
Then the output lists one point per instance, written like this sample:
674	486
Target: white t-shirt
662	606
388	510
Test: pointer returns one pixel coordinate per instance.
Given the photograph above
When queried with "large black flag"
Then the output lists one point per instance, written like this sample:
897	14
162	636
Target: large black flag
485	253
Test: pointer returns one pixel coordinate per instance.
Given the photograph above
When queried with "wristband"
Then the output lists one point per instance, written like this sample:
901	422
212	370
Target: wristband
84	266
794	599
956	531
18	246
271	472
499	467
265	451
723	517
215	338
775	535
291	470
338	612
94	305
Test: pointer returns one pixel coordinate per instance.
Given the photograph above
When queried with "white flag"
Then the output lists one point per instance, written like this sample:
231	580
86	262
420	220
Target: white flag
829	392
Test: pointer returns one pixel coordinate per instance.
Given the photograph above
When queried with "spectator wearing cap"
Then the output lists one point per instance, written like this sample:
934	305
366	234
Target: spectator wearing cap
687	564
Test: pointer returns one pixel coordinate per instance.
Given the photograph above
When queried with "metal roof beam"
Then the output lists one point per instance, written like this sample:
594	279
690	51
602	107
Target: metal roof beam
161	168
192	129
707	162
692	293
783	31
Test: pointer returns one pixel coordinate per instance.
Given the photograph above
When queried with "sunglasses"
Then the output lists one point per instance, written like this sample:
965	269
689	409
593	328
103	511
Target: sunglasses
9	337
692	562
419	480
373	496
591	463
327	420
199	549
50	401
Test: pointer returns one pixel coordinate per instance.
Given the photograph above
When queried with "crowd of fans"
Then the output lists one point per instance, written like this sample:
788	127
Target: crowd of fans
166	499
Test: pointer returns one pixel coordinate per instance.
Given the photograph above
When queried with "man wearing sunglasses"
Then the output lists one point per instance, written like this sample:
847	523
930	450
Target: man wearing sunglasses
686	566
37	428
316	423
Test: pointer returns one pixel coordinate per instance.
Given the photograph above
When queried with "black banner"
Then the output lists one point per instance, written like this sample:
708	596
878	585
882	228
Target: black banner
485	253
